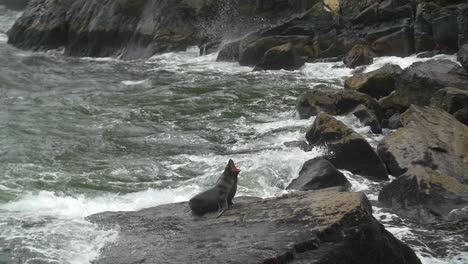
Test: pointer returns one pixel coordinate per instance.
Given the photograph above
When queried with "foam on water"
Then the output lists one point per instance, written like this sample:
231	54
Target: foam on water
404	62
324	71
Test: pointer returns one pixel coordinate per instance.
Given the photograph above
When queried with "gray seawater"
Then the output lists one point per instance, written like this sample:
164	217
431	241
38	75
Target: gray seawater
80	136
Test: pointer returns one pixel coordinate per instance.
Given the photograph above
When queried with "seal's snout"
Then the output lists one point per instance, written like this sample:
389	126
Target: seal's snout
233	167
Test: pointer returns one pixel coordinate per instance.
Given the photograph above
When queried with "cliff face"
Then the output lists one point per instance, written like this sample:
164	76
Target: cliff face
134	28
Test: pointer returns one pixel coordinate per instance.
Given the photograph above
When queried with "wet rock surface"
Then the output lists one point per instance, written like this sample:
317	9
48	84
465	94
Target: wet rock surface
430	138
425	195
318	174
325	226
347	149
333	102
359	55
377	84
367	118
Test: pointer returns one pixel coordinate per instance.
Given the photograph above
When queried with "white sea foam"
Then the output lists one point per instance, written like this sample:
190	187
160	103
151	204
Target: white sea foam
326	71
404	62
131	83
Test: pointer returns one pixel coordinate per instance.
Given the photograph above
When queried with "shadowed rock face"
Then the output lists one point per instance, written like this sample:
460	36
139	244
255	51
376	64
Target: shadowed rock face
348	150
425	195
312	227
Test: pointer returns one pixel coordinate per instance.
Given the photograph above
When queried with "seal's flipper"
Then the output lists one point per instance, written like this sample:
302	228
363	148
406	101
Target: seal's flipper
223	209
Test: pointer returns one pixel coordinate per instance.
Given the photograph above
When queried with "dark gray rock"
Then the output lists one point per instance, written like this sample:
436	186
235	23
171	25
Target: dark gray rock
462	115
318	174
463	56
423	36
347	149
400	43
394	122
377	84
450	99
229	52
430	138
424	195
308	227
419	82
333	102
359	55
368	118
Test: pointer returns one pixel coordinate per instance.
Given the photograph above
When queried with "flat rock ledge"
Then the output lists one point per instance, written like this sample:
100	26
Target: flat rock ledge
327	226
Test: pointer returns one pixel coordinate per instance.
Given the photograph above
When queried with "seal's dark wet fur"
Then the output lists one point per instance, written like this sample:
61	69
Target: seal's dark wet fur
218	198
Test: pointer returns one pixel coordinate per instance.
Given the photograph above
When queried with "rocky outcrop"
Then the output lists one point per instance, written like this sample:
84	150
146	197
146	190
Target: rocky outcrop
333	102
367	118
359	55
452	100
347	149
318	174
430	138
463	56
377	84
425	195
310	227
418	83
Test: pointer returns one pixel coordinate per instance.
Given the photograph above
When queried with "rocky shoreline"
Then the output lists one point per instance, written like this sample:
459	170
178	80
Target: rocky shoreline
422	111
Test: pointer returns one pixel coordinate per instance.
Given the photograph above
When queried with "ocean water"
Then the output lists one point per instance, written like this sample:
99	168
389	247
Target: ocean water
79	136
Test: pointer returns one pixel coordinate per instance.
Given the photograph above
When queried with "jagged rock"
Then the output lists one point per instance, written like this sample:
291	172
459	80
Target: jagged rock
333	102
399	43
423	37
318	174
359	55
378	83
367	118
431	138
425	195
463	56
319	227
451	100
347	149
418	83
289	56
229	52
394	122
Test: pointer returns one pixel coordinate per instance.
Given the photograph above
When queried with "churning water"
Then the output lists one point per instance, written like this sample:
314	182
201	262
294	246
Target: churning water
80	136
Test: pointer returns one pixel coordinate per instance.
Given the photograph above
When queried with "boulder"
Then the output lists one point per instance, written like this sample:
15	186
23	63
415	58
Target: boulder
394	122
359	55
423	37
450	99
462	115
377	84
399	43
367	118
319	227
289	56
347	149
318	174
418	83
463	56
431	138
425	195
333	102
229	51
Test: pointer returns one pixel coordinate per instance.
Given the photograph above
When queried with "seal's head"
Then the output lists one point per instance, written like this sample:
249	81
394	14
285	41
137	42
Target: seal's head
231	169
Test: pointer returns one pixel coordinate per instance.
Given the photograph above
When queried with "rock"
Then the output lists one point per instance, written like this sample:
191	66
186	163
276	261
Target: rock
333	102
417	83
347	149
14	4
359	55
368	118
308	227
431	138
450	99
425	195
318	174
462	115
298	144
445	29
377	84
229	52
289	56
423	37
394	122
399	43
463	56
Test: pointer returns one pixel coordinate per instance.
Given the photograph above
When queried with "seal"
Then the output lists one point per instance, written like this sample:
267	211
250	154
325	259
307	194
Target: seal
218	198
